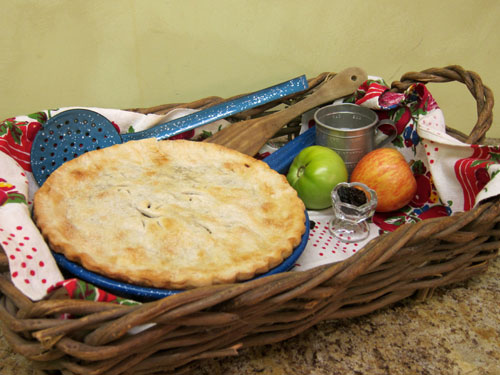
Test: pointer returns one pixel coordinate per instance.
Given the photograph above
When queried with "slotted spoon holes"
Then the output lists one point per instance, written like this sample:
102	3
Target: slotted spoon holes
78	141
67	136
62	148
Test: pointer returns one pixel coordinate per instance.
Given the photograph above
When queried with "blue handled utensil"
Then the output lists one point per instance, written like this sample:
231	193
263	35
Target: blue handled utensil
281	159
74	132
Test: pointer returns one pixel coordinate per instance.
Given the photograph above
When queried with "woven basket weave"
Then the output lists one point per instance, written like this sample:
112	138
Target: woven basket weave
217	321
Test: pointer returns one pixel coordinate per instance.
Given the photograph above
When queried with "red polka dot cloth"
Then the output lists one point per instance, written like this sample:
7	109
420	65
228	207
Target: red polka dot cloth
322	247
32	267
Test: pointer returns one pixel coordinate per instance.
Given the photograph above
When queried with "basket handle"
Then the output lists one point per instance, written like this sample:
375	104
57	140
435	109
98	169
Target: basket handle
481	93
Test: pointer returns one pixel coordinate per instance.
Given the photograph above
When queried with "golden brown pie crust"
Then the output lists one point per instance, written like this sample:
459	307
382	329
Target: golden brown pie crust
170	214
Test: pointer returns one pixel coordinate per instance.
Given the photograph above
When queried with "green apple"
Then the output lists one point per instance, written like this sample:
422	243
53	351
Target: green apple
314	172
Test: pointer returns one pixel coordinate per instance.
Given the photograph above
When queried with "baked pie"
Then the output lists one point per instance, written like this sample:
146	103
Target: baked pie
170	214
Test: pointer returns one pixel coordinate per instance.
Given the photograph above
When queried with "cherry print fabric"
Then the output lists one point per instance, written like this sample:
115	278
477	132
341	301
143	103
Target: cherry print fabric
451	176
464	174
78	289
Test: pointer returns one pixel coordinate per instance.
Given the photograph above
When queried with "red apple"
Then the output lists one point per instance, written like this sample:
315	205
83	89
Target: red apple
386	171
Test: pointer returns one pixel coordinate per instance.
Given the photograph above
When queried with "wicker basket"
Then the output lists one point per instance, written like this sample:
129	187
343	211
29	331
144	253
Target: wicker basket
217	321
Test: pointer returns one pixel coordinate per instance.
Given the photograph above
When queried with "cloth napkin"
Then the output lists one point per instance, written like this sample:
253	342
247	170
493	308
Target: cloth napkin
451	177
32	267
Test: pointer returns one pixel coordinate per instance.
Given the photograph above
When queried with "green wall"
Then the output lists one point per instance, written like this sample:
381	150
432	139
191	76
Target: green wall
141	53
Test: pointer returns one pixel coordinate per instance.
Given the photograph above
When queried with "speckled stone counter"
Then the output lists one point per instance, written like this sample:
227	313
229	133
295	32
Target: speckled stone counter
455	332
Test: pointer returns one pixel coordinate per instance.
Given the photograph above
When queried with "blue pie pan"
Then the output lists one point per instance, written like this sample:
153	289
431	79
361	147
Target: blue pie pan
126	290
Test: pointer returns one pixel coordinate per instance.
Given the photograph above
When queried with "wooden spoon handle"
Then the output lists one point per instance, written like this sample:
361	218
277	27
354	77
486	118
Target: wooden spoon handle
250	135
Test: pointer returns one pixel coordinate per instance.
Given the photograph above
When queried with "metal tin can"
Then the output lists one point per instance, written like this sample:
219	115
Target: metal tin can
351	130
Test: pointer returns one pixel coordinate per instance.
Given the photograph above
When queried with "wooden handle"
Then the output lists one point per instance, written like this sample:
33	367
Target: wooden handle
250	135
481	93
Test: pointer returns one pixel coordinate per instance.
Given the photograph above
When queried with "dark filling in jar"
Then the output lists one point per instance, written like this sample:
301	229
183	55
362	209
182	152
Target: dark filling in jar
352	195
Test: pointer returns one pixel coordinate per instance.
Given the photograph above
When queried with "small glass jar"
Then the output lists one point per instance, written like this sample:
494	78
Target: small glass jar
349	222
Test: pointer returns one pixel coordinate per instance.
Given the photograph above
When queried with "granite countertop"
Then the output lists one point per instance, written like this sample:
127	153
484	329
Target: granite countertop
455	332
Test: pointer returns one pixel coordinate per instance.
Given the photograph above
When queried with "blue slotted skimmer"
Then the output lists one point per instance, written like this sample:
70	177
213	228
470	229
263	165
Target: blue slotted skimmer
76	131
